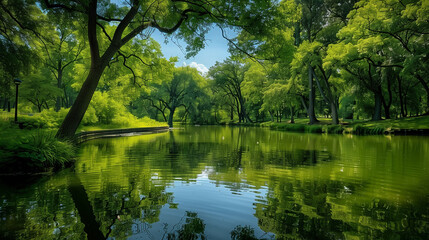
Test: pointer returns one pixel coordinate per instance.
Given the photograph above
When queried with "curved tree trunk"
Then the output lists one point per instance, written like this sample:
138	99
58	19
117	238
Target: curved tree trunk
78	109
170	117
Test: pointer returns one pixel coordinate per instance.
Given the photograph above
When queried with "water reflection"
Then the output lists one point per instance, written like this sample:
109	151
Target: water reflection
220	183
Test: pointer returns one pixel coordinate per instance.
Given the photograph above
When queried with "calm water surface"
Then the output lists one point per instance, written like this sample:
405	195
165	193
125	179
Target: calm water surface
224	182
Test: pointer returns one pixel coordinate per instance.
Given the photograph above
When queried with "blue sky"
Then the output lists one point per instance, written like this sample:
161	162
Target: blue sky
216	50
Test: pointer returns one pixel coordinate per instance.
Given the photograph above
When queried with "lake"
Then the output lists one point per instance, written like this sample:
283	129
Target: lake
214	182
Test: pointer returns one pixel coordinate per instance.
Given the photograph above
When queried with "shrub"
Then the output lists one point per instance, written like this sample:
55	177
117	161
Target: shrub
314	129
291	127
44	150
335	129
362	130
31	122
53	119
90	117
37	152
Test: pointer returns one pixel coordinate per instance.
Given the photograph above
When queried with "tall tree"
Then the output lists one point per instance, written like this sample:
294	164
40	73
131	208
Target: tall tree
62	49
181	90
190	19
229	77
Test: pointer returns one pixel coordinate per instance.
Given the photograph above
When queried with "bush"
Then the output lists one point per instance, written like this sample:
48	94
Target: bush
362	130
31	122
48	118
37	152
314	129
291	127
335	129
53	119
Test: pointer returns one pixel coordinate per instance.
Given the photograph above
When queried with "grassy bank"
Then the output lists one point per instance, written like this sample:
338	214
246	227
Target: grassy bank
356	127
138	123
32	151
31	147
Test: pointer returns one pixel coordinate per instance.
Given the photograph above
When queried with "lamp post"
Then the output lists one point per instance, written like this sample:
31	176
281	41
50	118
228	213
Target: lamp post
17	82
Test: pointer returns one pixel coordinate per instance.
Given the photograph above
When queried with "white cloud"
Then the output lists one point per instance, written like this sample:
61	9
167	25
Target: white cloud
200	67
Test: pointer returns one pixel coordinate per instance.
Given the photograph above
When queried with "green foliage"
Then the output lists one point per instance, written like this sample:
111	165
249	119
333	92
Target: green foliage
314	129
36	152
51	118
39	89
335	129
290	127
44	150
359	129
31	122
48	118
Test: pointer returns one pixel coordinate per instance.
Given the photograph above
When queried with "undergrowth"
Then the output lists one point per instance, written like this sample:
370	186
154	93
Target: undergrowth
38	152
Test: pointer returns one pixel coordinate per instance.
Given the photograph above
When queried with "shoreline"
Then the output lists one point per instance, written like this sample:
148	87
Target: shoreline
111	133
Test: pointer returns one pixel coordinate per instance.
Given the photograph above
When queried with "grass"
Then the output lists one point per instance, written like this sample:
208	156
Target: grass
139	123
402	123
31	146
32	151
358	127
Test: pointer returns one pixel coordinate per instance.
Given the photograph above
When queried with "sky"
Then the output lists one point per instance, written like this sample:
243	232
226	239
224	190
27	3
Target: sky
216	50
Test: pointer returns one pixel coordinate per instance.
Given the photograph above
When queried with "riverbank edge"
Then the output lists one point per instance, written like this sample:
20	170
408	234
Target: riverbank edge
354	129
123	132
20	168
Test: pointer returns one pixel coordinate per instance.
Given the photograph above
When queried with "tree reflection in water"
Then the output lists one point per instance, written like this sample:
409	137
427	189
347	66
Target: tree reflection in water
299	186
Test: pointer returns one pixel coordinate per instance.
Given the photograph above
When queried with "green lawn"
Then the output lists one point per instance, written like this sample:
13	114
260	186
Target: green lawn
140	123
359	127
403	123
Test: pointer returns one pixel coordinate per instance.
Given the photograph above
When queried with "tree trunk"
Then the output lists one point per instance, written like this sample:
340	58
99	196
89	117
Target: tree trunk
5	104
271	115
243	111
311	114
170	117
426	87
98	64
8	105
303	104
386	105
401	99
377	107
232	114
292	113
334	112
78	109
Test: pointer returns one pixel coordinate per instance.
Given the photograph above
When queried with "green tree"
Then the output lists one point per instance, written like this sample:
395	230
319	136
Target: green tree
61	50
39	90
180	90
189	19
229	77
254	84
